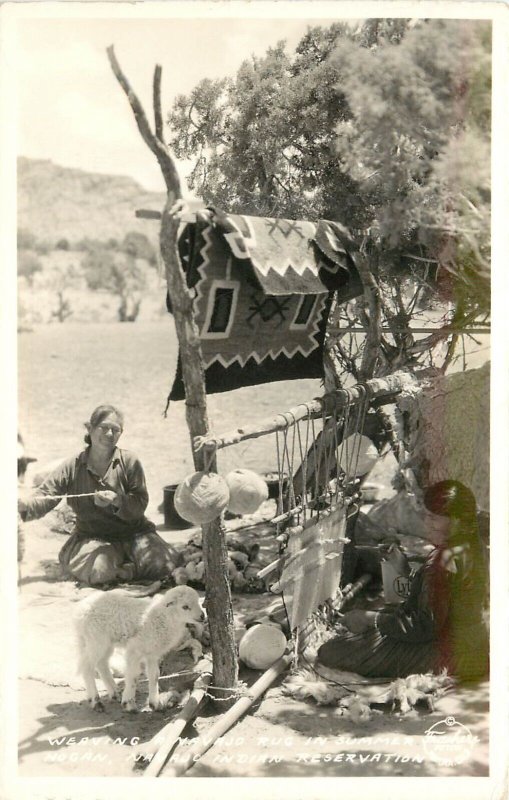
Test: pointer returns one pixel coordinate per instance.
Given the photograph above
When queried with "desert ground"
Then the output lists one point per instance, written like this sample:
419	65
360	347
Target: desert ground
64	372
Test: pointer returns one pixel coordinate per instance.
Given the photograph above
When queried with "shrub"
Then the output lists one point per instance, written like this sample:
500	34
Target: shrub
28	264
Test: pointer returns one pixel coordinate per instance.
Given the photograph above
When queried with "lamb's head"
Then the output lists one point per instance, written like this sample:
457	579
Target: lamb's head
184	603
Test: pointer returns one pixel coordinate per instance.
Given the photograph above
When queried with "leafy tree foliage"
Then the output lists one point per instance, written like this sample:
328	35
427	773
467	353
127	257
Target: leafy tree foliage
417	145
263	143
384	127
26	240
134	244
89	245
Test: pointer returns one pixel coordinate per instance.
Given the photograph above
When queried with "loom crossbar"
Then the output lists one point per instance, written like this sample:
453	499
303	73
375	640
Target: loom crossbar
328	404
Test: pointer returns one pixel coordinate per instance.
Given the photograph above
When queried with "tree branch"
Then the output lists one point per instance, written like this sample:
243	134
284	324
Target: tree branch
348	360
420	258
159	149
283	186
218	595
158	114
373	335
450	353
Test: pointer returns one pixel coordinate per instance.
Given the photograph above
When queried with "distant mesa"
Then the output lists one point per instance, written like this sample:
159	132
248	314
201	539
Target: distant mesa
62	203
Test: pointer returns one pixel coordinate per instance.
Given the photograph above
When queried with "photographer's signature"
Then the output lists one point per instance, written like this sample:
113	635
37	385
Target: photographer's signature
448	742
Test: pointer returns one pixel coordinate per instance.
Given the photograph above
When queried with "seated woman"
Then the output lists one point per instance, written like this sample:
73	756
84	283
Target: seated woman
113	540
441	624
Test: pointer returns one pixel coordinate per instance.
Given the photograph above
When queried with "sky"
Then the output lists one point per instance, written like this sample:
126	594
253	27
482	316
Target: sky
70	108
72	111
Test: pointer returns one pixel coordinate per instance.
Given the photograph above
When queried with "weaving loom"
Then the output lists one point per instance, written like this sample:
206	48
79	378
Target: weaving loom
263	289
317	462
316	499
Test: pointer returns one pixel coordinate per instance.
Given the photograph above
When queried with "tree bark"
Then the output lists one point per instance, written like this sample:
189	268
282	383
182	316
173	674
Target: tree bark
374	389
218	594
374	332
215	555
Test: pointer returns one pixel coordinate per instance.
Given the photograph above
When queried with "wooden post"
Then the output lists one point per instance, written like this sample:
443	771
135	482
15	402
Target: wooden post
218	594
225	722
161	745
374	333
376	388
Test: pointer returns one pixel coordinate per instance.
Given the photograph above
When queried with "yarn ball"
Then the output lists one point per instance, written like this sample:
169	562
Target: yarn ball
358	455
248	491
261	646
201	497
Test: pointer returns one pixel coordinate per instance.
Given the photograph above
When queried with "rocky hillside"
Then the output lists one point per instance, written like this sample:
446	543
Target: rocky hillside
57	203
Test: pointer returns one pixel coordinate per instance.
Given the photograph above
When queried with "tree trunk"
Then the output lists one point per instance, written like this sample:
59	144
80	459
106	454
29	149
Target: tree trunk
374	333
215	555
218	595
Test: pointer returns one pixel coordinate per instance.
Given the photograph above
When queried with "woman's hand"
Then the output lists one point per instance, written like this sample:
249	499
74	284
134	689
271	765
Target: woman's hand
105	497
358	621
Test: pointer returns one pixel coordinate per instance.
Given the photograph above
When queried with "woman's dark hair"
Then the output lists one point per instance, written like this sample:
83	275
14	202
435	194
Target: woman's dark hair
450	499
454	500
100	413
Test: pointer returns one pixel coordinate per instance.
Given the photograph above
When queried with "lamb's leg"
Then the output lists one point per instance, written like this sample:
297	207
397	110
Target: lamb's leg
194	646
132	670
107	677
87	670
196	650
152	668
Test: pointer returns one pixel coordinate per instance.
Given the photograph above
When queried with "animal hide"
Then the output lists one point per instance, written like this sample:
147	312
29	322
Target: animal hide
446	430
334	687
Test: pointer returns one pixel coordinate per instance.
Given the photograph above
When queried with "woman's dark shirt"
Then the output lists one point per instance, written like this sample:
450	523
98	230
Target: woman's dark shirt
446	597
124	476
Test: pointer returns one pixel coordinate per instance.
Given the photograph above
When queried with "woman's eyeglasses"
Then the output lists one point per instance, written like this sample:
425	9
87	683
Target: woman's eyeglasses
116	431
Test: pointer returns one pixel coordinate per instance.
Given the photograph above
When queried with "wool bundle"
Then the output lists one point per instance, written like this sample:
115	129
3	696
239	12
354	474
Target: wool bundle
247	489
201	497
261	646
357	455
405	693
304	684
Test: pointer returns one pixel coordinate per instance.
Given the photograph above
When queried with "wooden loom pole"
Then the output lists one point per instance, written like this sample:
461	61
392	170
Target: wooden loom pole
163	742
375	388
231	716
215	556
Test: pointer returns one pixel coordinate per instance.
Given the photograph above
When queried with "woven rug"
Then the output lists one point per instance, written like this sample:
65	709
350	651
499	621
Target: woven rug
263	289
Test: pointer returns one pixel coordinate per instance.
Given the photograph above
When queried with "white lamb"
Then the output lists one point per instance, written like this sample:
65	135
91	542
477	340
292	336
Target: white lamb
147	627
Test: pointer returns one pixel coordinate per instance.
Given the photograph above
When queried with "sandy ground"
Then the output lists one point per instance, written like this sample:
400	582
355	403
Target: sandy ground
278	737
59	736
